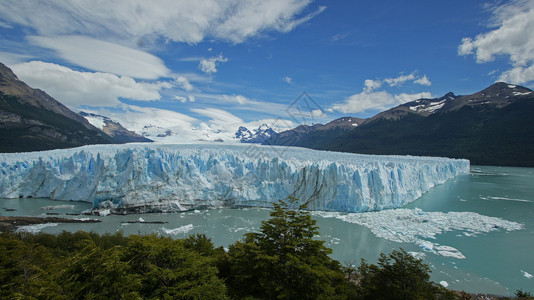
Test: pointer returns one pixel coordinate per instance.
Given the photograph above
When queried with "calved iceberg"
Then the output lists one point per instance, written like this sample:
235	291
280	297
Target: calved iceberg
145	178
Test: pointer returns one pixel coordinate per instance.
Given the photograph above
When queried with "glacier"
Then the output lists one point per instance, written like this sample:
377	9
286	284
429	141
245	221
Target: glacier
137	178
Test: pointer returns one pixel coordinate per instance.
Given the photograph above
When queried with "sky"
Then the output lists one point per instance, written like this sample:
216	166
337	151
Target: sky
216	65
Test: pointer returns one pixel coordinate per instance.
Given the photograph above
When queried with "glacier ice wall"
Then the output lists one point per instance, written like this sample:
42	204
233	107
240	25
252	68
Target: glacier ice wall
142	178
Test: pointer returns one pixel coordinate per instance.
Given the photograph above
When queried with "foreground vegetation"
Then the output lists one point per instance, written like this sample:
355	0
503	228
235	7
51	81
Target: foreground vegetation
282	261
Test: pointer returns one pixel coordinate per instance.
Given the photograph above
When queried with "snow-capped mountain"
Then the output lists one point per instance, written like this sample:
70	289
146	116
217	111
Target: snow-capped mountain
113	129
491	127
264	132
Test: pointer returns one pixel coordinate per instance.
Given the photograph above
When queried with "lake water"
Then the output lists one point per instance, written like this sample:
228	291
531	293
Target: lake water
499	261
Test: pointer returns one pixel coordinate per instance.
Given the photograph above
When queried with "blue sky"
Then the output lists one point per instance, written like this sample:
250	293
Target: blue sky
219	64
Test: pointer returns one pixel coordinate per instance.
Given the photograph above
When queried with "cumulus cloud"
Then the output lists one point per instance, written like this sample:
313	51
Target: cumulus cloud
74	88
104	56
375	100
374	84
423	81
371	85
184	83
370	98
209	65
513	25
179	21
398	81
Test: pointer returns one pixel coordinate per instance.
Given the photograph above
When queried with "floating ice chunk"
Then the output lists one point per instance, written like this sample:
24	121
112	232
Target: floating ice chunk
179	230
526	274
444	283
35	228
104	212
420	212
454	254
417	255
510	199
414	226
446	248
427	246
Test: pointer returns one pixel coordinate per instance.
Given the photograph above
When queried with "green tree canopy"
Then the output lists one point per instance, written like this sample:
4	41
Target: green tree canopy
398	276
284	261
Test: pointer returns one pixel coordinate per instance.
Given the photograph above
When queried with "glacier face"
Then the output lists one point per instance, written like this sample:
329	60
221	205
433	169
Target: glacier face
143	178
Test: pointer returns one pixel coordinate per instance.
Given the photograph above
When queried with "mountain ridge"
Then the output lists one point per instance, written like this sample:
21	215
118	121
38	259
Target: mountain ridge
490	127
32	120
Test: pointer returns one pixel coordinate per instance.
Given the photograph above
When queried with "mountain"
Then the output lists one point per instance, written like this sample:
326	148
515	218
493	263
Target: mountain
114	129
309	135
31	120
264	132
492	127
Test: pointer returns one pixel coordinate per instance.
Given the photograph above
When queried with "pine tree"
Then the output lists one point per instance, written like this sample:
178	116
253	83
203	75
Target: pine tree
284	261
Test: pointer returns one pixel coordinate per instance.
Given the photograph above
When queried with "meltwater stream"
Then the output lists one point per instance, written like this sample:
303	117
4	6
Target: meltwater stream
476	231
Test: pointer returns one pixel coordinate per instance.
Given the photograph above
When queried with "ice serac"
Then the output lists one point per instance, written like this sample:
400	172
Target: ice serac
143	178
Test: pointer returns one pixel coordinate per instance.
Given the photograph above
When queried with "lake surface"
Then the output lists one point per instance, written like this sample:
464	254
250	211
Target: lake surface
499	261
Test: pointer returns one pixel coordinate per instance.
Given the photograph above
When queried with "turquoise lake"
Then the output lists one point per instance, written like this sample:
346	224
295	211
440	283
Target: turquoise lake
498	262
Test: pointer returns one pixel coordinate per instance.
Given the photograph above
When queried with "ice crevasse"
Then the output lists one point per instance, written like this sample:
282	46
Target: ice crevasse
147	178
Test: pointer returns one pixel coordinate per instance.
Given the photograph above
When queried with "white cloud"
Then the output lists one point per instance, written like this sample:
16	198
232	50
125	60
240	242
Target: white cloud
512	37
184	83
288	79
74	88
220	119
179	21
365	101
236	98
403	97
398	81
373	84
209	65
370	98
518	75
375	100
136	117
103	56
13	58
5	25
181	99
423	81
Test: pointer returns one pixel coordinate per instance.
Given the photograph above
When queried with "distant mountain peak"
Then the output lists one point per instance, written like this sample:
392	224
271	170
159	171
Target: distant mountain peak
264	132
113	128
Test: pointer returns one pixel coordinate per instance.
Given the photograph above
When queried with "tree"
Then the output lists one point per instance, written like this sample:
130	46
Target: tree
94	273
398	276
284	261
523	295
170	271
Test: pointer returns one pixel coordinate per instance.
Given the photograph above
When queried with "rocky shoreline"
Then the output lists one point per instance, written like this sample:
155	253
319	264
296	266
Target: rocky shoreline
11	223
